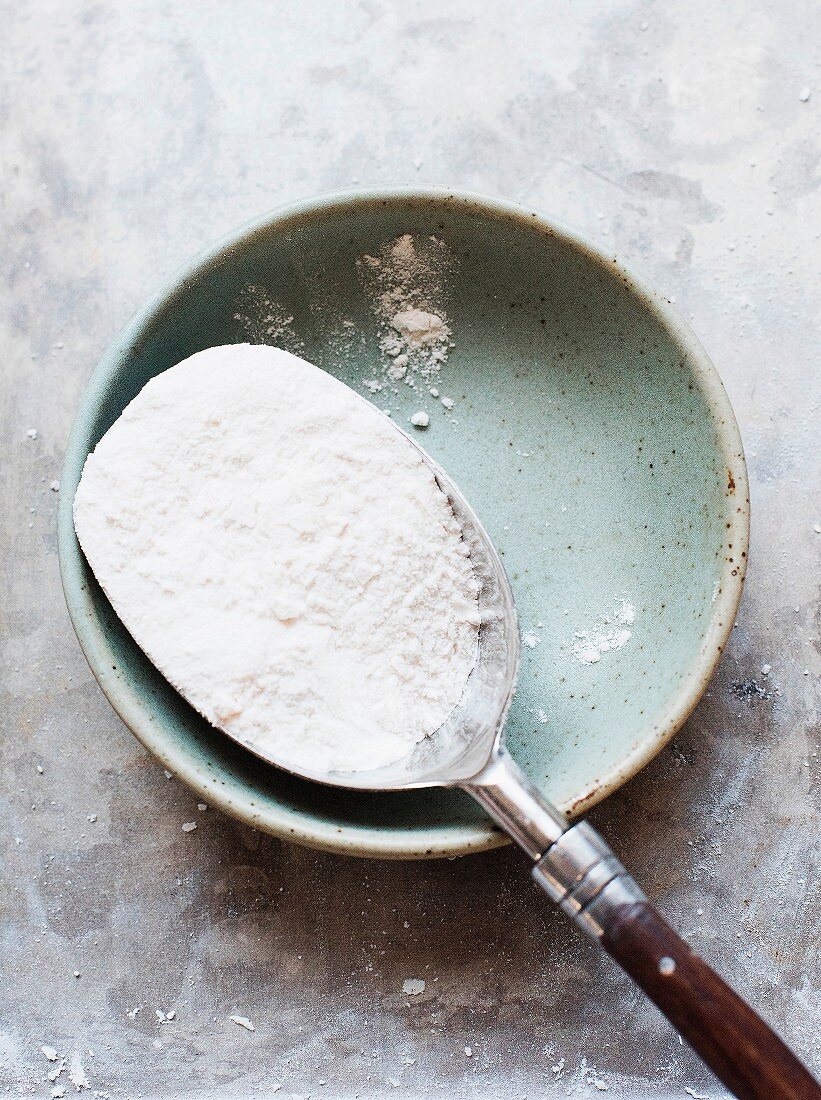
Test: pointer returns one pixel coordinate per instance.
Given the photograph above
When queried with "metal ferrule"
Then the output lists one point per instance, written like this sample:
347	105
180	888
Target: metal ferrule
581	874
574	865
600	913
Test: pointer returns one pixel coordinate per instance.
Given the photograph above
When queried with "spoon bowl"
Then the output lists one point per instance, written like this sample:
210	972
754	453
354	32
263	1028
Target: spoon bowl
462	746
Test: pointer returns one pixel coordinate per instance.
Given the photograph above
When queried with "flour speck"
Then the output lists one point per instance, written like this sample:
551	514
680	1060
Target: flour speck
77	1073
264	320
610	633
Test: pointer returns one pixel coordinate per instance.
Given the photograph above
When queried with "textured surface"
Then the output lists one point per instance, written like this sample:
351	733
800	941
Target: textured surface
132	134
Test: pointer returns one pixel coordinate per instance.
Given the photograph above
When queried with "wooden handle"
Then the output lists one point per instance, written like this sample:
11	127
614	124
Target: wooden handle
735	1043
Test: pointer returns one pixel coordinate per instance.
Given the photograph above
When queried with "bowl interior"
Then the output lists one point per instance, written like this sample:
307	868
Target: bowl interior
590	435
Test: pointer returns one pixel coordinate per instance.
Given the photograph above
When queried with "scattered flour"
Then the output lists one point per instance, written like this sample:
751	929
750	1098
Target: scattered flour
248	548
419	331
610	633
412	987
531	639
76	1072
265	321
405	285
585	1076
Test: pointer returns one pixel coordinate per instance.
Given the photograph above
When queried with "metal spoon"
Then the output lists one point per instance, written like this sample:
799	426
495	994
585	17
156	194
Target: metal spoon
572	863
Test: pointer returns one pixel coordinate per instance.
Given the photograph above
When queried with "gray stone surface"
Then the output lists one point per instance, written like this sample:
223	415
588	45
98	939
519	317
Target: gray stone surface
132	134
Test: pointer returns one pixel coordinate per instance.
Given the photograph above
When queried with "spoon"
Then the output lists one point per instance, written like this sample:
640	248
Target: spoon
571	862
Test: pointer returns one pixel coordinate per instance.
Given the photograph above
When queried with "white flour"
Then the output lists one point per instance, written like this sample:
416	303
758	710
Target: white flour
76	1072
264	320
283	555
406	288
611	632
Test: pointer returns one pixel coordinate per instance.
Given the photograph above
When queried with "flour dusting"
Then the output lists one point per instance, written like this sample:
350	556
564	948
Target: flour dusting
610	633
406	288
77	1073
265	321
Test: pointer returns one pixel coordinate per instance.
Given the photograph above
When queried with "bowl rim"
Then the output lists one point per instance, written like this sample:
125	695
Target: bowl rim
391	842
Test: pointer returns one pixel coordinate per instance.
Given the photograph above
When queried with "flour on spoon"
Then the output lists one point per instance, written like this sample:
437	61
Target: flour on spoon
284	556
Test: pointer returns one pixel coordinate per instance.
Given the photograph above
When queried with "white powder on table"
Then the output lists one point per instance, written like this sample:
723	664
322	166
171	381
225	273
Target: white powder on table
77	1073
284	556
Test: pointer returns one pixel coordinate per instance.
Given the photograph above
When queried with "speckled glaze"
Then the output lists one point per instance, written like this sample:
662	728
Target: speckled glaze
592	435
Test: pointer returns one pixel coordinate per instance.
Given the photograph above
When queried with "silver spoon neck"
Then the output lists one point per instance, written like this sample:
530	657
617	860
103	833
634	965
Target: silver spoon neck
516	805
572	863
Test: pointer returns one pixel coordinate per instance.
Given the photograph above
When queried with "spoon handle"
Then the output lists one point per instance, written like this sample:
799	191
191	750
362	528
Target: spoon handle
740	1049
576	868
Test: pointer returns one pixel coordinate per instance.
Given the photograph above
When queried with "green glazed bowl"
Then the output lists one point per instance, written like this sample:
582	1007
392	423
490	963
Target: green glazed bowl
592	436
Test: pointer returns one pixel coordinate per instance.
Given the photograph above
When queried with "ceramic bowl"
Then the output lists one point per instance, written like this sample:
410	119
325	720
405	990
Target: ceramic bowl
591	434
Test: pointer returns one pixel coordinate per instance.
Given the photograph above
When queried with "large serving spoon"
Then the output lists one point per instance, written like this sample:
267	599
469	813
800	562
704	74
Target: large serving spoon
571	862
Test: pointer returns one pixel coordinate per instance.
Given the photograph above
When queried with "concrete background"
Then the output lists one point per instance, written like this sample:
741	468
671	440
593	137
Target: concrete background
686	137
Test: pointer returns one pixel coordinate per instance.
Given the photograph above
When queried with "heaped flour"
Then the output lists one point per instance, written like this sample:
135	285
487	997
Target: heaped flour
285	558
